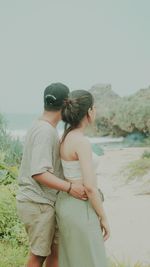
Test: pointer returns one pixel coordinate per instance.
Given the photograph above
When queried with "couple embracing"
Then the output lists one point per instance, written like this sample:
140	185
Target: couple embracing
58	200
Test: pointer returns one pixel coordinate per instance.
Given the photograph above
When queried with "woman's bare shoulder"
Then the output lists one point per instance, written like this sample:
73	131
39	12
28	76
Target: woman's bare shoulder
78	137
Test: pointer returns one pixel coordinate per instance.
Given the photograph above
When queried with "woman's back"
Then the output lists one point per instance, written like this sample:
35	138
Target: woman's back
69	144
69	158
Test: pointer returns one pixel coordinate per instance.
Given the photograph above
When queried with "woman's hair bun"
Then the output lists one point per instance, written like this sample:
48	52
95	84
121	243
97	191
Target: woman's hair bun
75	108
70	111
68	102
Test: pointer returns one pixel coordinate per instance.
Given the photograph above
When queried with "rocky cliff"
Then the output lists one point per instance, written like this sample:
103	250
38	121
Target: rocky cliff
120	116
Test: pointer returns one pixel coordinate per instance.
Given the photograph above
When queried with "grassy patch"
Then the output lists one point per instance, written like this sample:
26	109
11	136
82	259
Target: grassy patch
146	154
11	228
119	264
12	256
140	167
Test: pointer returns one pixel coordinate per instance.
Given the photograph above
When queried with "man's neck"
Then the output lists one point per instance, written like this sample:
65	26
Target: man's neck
53	117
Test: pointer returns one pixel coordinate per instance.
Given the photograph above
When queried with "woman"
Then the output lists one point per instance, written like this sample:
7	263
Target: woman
83	225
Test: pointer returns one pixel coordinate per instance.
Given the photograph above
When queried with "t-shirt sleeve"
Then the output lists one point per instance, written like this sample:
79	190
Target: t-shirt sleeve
41	156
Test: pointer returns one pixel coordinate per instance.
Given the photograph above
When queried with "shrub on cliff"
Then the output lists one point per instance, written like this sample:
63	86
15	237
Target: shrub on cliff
121	115
133	113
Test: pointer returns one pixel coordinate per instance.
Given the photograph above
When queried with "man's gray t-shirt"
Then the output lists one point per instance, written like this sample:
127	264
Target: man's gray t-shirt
41	154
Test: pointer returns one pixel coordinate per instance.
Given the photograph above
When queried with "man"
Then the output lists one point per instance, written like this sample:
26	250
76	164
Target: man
39	180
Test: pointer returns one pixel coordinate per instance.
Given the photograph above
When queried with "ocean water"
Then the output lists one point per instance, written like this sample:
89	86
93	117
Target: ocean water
18	124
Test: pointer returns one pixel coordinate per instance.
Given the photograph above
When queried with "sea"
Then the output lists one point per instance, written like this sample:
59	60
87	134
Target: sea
18	124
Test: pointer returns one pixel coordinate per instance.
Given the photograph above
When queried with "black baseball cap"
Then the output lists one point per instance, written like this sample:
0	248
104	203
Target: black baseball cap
54	96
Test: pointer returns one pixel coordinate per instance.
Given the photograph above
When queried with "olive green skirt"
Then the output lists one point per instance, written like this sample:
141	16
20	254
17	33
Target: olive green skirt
81	242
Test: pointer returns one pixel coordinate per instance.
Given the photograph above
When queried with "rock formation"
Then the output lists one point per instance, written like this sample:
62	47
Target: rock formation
120	116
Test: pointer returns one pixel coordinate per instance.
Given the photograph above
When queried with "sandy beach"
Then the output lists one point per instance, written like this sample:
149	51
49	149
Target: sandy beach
127	206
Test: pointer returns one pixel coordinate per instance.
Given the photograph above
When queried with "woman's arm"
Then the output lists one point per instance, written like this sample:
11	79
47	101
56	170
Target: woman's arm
84	153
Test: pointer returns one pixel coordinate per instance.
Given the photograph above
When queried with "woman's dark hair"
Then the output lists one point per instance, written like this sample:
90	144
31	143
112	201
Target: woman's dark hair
75	108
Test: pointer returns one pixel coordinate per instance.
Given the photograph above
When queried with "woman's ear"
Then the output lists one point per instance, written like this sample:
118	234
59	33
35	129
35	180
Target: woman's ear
89	113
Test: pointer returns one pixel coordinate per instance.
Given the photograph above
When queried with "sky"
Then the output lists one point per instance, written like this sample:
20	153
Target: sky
78	42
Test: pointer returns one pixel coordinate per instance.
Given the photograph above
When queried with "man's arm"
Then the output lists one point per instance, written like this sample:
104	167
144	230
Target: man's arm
50	180
41	165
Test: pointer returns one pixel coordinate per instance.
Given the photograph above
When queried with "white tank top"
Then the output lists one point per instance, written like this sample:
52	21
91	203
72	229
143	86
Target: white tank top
72	168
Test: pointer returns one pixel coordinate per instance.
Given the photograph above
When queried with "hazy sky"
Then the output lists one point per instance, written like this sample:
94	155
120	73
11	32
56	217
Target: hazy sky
78	42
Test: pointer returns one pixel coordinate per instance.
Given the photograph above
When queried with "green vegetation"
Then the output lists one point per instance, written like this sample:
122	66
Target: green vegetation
10	149
11	228
120	116
146	155
8	173
119	264
12	233
12	255
139	167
